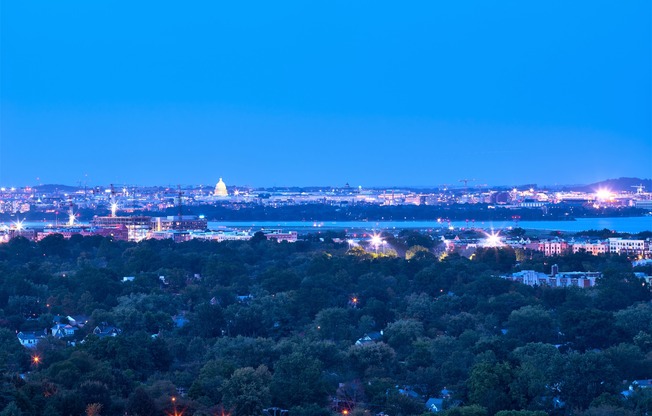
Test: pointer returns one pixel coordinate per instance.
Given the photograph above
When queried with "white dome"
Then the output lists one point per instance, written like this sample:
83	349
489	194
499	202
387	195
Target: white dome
220	189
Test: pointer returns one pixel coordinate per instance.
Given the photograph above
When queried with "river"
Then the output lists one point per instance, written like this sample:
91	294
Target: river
618	224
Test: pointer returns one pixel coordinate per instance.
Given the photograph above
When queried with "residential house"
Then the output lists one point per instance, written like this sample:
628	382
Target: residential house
105	330
30	339
61	331
435	404
77	320
408	392
371	337
637	384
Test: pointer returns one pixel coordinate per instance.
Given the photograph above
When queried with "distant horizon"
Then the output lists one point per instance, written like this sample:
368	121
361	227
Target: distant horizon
330	186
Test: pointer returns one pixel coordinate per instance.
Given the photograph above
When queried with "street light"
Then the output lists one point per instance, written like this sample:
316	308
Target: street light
174	407
376	241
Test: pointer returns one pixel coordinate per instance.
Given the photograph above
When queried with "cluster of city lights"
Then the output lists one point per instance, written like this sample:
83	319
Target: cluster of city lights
492	239
603	194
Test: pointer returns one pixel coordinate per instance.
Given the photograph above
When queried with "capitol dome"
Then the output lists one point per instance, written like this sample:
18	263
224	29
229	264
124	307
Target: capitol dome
220	189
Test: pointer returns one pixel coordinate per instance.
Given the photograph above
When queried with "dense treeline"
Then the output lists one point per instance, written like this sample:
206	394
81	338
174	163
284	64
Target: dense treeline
268	324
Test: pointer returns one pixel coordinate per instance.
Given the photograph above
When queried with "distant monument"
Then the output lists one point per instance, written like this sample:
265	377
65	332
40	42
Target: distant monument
220	189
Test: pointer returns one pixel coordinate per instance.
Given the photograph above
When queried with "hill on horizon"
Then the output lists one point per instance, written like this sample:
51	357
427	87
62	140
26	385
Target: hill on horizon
617	185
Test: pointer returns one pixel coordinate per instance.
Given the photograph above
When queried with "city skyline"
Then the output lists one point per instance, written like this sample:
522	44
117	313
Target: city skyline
622	184
364	94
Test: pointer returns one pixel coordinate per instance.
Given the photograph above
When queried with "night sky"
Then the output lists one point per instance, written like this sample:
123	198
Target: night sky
325	92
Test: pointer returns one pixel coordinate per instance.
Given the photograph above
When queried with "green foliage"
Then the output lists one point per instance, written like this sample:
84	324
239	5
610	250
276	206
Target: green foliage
415	251
247	391
333	323
473	410
11	409
399	404
297	381
585	377
535	376
500	259
531	324
13	357
141	404
402	333
489	385
267	324
372	356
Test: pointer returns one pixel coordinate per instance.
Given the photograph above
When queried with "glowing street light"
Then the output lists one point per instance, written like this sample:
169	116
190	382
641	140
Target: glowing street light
353	302
18	225
603	194
376	241
493	240
175	412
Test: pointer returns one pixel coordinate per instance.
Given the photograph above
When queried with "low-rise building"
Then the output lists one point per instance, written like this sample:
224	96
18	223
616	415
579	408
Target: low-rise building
30	339
63	330
553	247
555	278
278	235
594	248
627	246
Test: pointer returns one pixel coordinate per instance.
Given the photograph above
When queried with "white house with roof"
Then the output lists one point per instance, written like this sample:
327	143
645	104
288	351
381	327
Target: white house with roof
30	339
63	330
104	330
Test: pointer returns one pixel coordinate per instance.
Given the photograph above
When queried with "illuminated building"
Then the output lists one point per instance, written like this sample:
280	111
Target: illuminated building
179	223
593	248
137	226
555	278
553	248
222	235
626	246
278	235
220	189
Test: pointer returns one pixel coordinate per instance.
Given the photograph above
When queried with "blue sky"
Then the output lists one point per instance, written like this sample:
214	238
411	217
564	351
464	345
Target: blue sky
325	92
